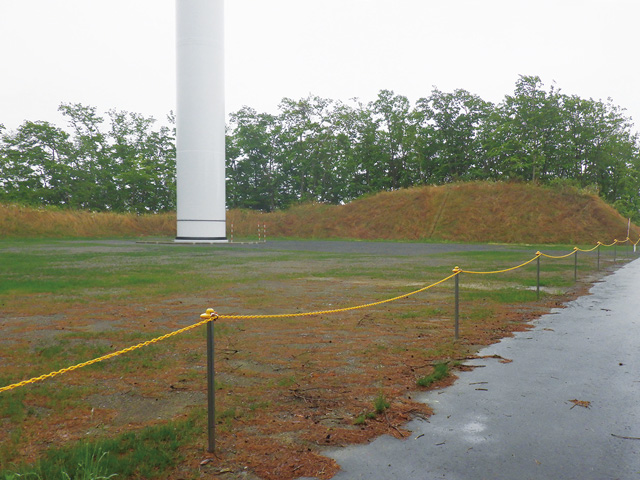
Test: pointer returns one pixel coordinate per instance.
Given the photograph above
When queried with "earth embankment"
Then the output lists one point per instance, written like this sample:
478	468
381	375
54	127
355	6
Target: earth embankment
463	212
466	212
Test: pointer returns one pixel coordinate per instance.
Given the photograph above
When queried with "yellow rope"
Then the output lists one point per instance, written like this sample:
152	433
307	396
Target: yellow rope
610	245
337	310
575	249
590	249
206	318
104	357
505	270
210	315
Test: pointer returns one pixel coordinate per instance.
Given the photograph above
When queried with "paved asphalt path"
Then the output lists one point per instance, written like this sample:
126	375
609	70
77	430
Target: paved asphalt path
516	420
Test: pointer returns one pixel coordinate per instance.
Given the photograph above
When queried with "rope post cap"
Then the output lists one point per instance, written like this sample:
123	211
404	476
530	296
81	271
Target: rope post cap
599	242
457	270
538	253
575	248
210	313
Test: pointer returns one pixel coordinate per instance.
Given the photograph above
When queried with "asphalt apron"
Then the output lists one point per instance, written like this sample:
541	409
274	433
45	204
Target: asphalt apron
566	407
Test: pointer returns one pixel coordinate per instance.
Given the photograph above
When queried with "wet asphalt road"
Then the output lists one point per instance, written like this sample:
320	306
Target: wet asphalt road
516	420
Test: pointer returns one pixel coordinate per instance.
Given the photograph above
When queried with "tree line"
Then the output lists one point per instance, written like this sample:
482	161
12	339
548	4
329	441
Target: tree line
129	167
321	150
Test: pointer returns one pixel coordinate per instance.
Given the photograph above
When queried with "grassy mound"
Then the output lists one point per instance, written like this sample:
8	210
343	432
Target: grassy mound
465	212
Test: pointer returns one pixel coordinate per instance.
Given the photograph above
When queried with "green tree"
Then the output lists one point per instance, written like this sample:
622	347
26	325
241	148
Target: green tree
450	129
34	166
525	139
91	172
130	168
610	149
310	147
142	163
396	134
363	161
253	172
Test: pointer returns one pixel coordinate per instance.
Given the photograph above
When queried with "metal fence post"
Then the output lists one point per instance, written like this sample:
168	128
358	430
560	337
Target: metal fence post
211	394
538	277
457	302
211	401
598	256
575	265
615	251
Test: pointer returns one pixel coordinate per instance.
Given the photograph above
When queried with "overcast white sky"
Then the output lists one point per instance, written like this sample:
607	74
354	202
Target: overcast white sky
121	53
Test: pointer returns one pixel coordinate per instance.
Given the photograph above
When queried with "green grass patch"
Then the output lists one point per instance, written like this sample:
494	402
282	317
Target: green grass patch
255	405
479	313
380	404
58	396
12	403
287	381
146	453
363	417
151	357
440	371
502	295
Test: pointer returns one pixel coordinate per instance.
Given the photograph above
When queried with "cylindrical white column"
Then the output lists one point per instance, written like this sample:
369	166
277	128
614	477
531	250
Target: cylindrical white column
200	120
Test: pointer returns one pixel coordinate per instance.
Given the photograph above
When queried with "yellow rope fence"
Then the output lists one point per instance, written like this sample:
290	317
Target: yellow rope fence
211	315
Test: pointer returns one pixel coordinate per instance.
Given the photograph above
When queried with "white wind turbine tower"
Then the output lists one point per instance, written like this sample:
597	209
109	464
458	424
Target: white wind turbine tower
200	121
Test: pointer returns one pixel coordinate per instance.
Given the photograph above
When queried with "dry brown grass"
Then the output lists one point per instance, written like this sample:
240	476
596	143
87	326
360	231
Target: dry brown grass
466	212
24	222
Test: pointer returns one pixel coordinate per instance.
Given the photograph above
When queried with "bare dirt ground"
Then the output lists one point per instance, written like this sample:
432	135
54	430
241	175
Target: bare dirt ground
286	388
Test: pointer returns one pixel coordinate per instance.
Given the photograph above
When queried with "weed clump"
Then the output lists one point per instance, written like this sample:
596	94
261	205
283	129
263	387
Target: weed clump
440	371
380	404
363	417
